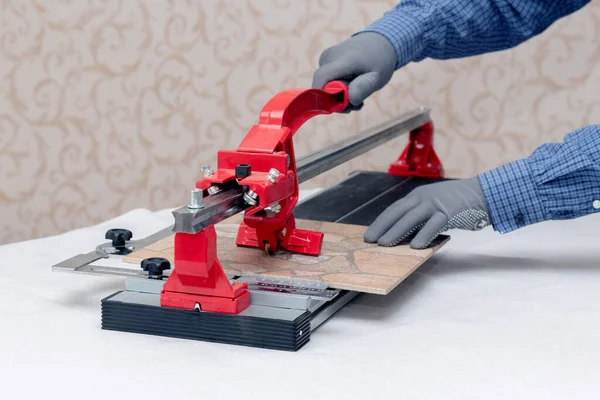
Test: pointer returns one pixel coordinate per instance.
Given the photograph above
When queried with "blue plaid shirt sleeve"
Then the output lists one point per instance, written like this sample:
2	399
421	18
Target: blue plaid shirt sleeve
445	29
557	181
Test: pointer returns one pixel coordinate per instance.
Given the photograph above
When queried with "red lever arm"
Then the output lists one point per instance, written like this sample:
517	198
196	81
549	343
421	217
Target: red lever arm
279	120
291	109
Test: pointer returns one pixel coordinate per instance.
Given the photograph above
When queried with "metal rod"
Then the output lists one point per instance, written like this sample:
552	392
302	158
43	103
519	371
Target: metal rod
323	160
215	209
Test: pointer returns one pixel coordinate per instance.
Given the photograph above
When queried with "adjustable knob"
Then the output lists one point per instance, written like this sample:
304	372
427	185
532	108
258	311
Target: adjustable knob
155	267
118	236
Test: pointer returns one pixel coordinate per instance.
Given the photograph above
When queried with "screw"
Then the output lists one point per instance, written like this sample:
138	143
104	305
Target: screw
272	175
207	169
250	197
275	207
213	190
195	199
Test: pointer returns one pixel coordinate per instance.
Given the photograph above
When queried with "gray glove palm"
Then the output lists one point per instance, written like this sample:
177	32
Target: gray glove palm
366	60
430	210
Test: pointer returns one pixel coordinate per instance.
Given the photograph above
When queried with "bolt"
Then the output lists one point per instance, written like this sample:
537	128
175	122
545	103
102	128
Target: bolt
213	190
272	175
275	207
195	199
250	197
207	169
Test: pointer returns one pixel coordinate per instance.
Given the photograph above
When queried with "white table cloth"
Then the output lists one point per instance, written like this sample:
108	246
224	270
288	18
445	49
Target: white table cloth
489	317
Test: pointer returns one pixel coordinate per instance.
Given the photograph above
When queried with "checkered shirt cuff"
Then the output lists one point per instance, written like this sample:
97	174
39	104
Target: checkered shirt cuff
512	196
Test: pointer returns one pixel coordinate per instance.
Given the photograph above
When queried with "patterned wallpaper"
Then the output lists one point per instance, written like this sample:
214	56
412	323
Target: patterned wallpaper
111	105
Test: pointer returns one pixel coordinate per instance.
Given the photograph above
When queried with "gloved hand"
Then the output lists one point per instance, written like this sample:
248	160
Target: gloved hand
367	61
431	210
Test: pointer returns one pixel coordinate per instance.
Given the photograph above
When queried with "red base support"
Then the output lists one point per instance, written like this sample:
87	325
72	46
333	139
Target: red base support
198	278
418	158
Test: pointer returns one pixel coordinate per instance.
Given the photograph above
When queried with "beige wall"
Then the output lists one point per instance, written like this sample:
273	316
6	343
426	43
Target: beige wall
113	105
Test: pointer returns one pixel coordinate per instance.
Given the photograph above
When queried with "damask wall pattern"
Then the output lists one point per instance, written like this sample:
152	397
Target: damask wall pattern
111	105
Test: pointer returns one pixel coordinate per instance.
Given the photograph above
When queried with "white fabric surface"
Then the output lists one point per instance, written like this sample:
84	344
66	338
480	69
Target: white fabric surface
489	317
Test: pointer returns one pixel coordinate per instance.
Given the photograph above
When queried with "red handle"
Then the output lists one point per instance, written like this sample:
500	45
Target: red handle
292	108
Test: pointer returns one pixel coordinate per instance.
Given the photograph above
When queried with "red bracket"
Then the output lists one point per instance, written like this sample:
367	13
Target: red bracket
418	158
198	278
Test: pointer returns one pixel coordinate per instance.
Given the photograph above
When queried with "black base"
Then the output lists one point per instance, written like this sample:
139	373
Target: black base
209	327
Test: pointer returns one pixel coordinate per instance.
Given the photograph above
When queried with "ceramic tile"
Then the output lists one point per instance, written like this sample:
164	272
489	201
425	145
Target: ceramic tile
346	261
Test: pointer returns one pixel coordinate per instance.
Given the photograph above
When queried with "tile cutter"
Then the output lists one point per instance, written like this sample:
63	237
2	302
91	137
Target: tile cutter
197	300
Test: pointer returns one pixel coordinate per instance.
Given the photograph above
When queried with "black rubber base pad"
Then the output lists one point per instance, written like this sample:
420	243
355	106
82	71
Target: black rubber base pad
209	327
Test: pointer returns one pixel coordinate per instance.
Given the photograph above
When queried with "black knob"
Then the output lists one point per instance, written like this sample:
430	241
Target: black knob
118	236
155	266
242	170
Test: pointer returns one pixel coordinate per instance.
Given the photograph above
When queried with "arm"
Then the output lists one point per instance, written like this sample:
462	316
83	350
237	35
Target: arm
558	181
444	29
440	29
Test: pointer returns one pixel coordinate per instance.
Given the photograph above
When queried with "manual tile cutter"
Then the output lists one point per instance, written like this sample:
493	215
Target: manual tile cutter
197	300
